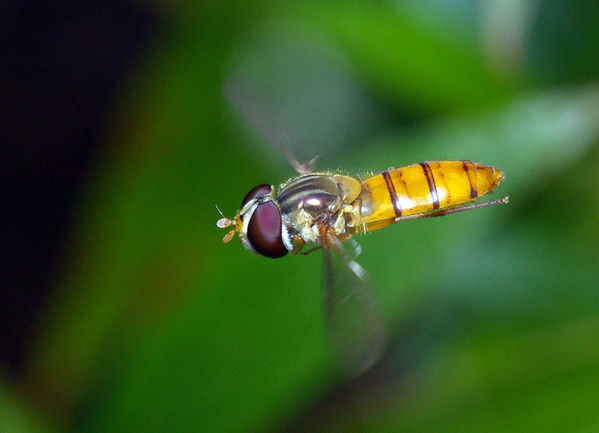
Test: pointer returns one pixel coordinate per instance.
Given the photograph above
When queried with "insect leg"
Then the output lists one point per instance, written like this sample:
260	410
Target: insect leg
446	211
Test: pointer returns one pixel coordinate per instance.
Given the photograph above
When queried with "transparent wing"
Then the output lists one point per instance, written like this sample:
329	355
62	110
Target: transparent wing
353	312
264	121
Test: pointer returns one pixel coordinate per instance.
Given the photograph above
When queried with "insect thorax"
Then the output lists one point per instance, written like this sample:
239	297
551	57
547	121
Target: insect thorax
310	199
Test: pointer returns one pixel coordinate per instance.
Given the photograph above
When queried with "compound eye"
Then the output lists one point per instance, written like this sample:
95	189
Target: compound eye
255	192
264	230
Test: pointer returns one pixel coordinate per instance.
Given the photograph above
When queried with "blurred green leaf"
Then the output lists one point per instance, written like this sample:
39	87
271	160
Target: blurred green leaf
542	380
14	417
406	60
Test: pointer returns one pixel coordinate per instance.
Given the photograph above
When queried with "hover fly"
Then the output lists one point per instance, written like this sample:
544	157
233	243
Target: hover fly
325	210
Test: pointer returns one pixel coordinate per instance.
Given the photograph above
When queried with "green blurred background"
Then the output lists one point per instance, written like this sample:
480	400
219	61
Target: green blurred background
151	324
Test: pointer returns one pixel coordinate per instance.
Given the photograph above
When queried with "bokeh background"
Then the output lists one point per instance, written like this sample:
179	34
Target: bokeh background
124	123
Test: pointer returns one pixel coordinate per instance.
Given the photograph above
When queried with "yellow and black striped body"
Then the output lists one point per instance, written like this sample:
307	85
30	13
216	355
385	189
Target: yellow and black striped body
423	188
314	207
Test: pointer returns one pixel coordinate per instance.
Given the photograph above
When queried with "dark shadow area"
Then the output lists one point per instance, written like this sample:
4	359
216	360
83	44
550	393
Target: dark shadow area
60	63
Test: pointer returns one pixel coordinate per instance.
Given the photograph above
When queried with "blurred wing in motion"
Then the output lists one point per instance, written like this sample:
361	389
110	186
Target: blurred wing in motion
257	115
353	312
299	92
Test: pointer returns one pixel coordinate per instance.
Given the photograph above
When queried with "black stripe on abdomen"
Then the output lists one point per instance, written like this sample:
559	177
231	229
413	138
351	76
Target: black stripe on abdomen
473	191
432	187
392	193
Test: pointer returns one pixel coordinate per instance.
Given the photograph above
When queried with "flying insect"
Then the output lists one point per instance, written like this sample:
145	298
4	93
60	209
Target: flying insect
321	210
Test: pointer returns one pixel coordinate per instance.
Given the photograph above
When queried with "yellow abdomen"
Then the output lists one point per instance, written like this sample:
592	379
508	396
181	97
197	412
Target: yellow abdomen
422	188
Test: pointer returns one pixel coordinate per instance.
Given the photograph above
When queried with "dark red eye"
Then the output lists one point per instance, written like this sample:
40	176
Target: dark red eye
264	230
257	191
